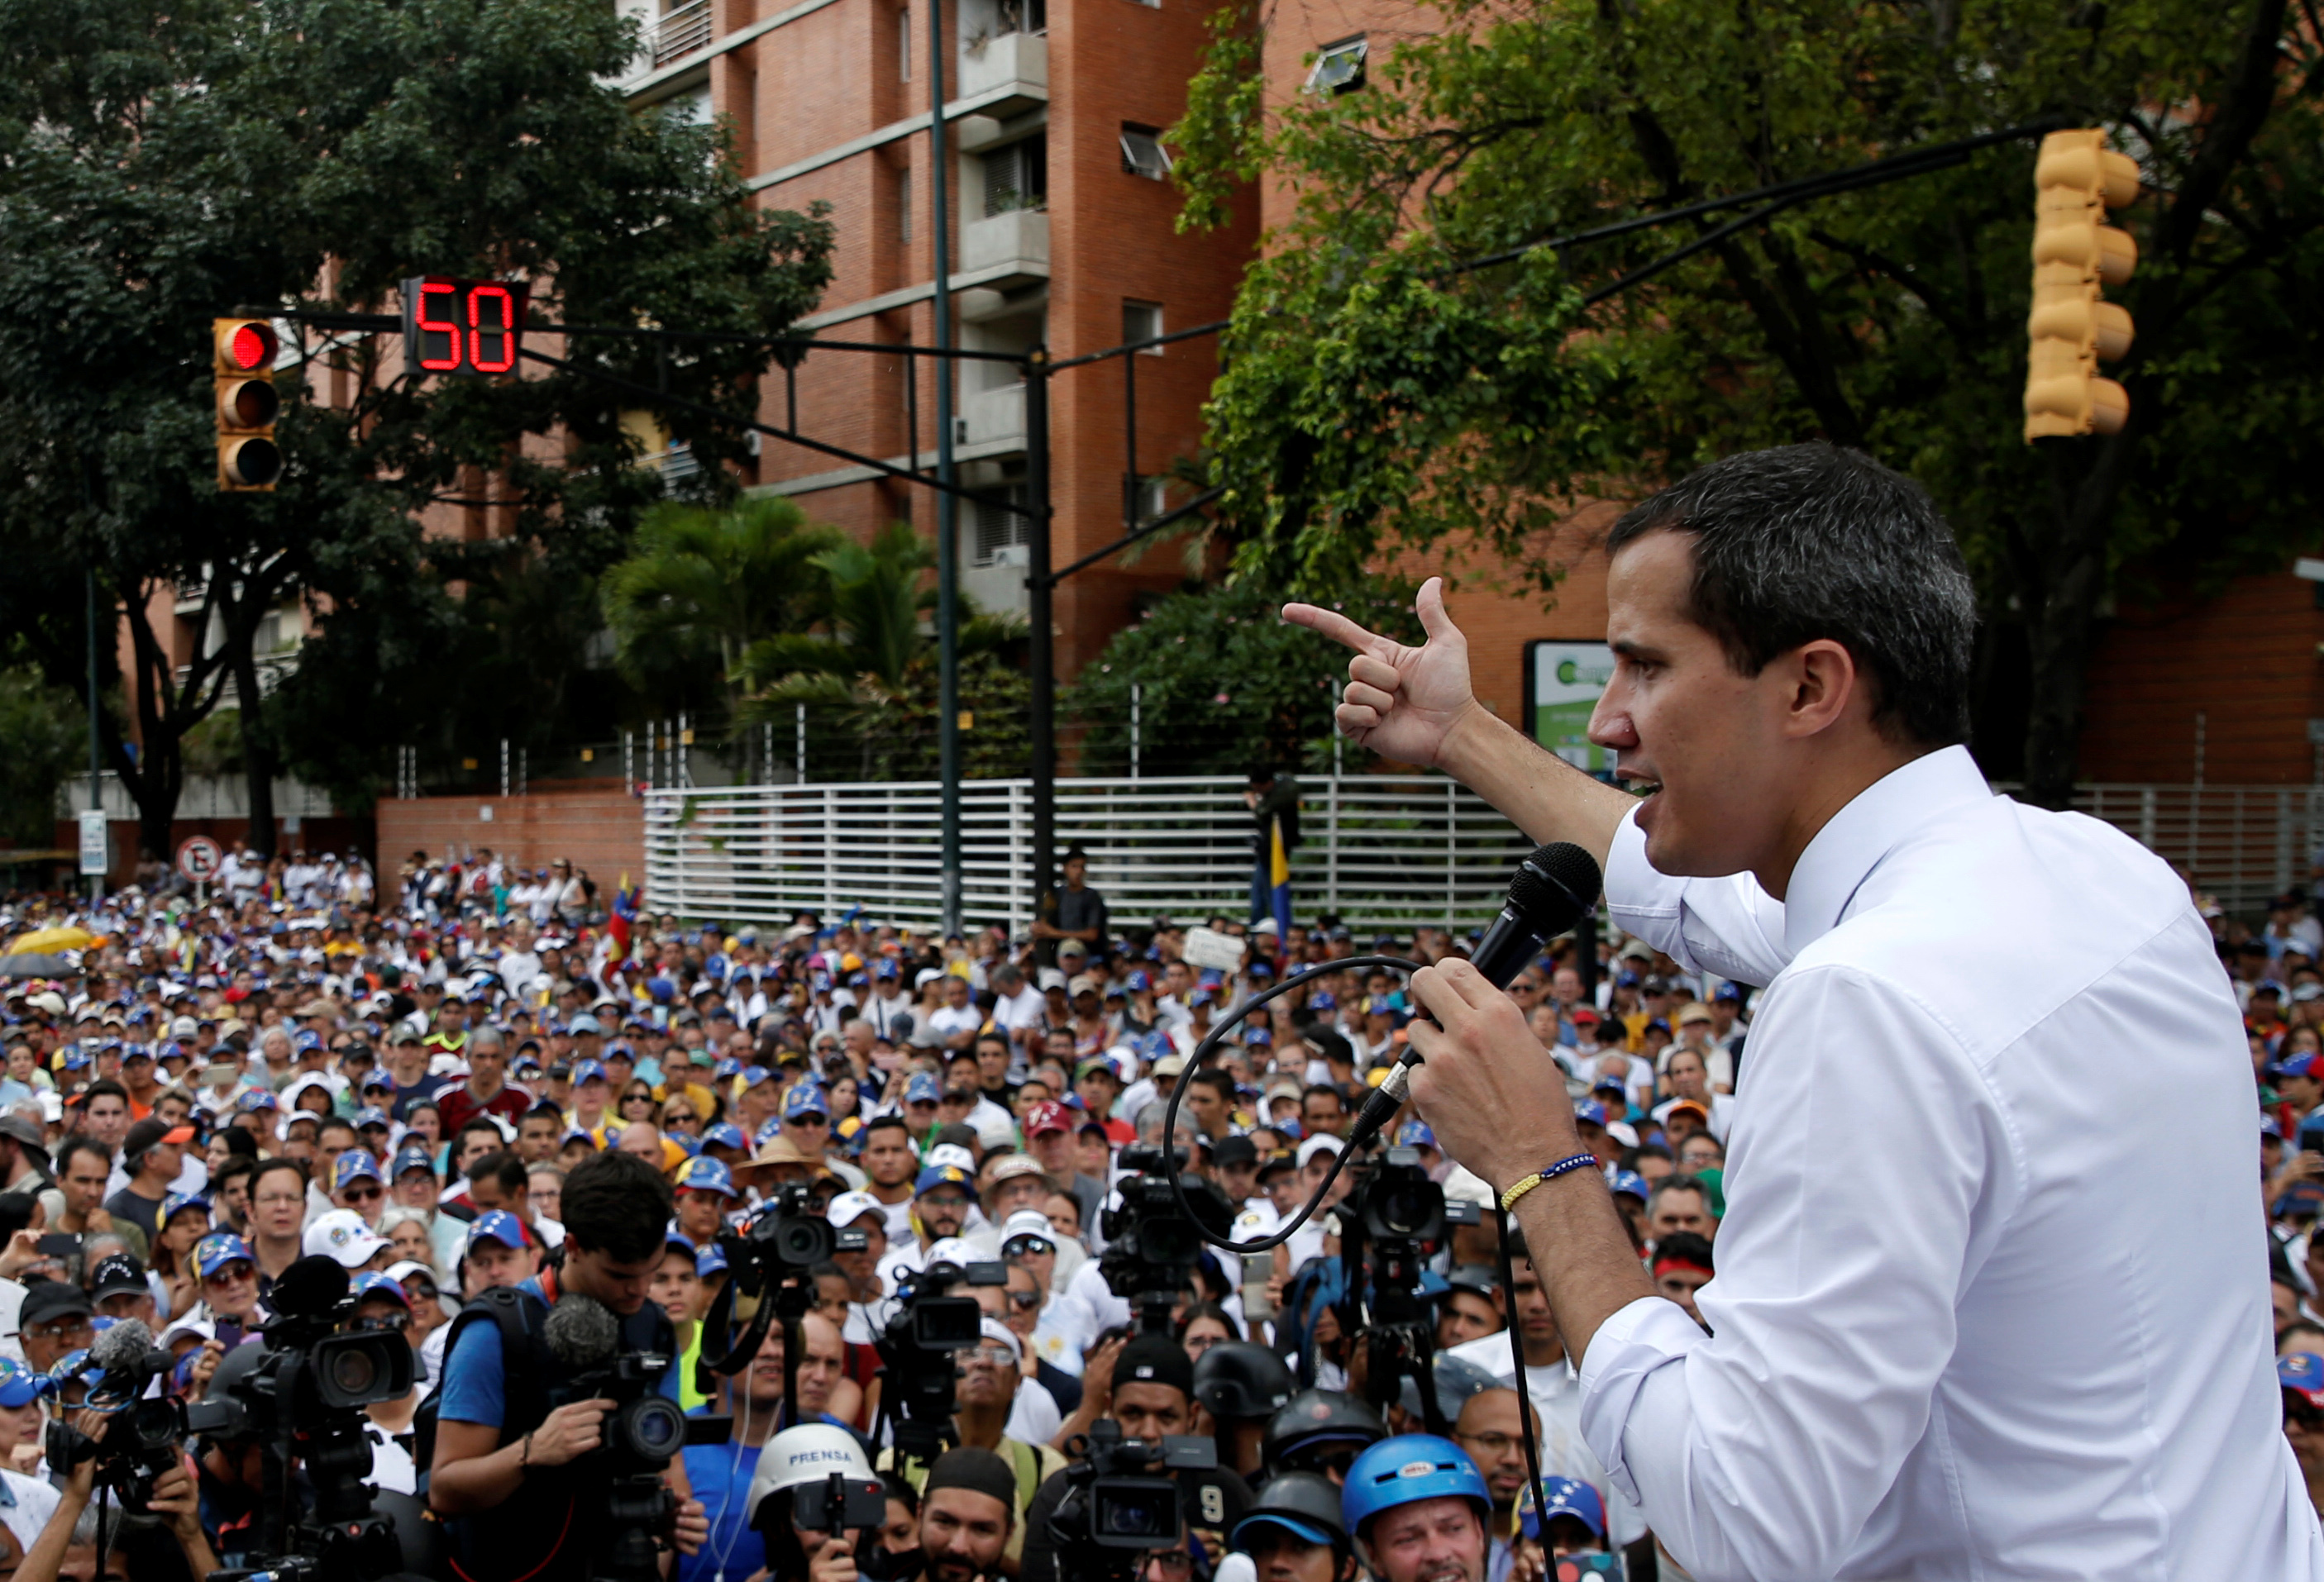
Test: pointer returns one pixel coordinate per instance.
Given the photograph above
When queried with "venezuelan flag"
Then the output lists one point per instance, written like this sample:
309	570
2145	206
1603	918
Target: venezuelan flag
1278	875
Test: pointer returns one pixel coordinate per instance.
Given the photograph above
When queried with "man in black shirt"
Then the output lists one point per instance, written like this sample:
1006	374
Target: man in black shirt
1072	912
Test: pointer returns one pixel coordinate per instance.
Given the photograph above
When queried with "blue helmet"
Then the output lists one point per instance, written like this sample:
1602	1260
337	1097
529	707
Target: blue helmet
1409	1468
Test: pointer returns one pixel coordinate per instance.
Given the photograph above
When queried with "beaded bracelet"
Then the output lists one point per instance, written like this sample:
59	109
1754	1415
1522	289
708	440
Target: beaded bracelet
1562	1167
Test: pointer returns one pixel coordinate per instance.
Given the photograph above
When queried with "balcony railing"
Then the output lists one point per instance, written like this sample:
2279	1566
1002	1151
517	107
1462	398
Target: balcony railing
681	31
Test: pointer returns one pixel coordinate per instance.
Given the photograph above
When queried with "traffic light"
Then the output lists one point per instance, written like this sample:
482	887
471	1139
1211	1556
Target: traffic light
2075	254
248	459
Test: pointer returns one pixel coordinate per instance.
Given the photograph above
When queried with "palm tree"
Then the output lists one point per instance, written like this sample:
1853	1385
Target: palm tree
706	584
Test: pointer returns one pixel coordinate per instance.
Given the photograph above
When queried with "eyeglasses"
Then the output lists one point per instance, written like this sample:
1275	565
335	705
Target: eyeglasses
363	1194
62	1330
1171	1562
396	1321
1025	1299
985	1357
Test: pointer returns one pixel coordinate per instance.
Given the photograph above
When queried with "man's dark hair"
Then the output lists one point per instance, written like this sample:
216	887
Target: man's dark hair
482	1123
266	1167
617	1204
81	1145
511	1172
1647	1150
1212	1077
1809	541
1687	1247
1339	1099
103	1088
235	1167
959	1131
890	1119
1680	1182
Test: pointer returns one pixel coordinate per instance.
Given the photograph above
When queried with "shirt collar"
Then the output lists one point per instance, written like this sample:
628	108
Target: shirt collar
1854	840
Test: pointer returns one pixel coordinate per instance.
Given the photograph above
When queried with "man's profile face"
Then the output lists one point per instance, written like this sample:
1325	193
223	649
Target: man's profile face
1147	1412
1679	717
962	1534
1441	1539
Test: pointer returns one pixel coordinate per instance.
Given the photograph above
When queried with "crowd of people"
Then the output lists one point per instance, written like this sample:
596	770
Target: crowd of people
481	1109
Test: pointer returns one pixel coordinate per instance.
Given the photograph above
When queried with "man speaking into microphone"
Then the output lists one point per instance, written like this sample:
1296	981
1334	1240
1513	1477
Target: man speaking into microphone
1992	1296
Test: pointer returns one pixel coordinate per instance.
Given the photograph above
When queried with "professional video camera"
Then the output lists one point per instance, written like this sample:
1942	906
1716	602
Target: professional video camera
637	1439
1393	1220
770	1263
916	1354
1119	1503
1151	1244
142	1435
301	1394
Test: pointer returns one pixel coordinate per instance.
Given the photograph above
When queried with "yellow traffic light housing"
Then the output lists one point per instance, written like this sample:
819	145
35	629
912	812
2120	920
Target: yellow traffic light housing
2076	254
243	368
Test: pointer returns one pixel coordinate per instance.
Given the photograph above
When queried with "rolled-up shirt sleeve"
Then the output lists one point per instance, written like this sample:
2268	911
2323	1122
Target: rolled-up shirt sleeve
1729	926
1868	1154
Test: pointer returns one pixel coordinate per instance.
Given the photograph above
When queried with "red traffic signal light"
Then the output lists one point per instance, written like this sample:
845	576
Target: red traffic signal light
243	372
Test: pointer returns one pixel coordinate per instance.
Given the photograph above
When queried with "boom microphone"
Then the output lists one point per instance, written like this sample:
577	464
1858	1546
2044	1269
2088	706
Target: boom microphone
1549	894
128	1348
581	1331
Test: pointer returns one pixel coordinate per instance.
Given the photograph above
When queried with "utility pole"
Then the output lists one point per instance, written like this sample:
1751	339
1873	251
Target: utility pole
947	507
96	763
1040	584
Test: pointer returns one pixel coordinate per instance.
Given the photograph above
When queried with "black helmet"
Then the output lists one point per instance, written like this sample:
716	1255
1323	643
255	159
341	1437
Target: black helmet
1307	1503
1319	1419
1242	1379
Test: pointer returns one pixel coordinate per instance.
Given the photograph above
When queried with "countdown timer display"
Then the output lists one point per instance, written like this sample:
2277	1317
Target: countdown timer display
458	326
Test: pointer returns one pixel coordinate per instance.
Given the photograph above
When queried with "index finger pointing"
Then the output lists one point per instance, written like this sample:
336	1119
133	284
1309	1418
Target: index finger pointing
1339	629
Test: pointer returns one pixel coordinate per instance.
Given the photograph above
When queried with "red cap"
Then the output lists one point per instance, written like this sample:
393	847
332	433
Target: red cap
1048	1115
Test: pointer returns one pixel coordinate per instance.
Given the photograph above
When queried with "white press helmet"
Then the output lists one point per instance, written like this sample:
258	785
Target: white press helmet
805	1454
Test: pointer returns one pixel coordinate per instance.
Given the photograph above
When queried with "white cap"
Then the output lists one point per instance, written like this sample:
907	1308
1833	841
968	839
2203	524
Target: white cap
952	1249
847	1208
402	1272
1320	1143
342	1234
1027	1222
806	1454
954	1154
995	1330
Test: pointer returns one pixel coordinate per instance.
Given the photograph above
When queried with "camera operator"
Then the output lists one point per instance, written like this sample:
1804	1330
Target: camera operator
67	1546
721	1474
986	1379
382	1303
969	1518
505	1472
796	1458
1150	1394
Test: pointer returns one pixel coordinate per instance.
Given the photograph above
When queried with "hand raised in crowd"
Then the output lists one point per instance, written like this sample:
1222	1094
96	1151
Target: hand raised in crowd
1097	1375
23	1251
833	1560
573	1429
206	1364
1401	703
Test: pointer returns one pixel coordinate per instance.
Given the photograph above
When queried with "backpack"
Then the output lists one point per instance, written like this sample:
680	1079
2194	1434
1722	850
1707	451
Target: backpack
506	1307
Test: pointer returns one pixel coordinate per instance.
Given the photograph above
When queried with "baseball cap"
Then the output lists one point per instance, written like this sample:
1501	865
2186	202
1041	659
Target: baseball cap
256	1099
1028	1223
373	1283
1561	1497
1320	1143
410	1157
176	1201
1415	1133
19	1385
500	1225
1048	1115
212	1252
1590	1110
588	1071
941	1175
847	1208
1234	1149
2303	1374
804	1100
724	1134
342	1234
118	1276
705	1174
1011	1166
1632	1182
352	1166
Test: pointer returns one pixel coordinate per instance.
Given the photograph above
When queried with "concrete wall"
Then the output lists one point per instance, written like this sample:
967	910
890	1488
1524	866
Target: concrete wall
600	830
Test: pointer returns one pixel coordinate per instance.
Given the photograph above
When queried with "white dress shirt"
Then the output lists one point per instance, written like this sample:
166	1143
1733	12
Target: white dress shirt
1993	1293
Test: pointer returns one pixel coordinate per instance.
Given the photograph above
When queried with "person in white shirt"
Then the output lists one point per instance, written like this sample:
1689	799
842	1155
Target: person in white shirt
2056	1362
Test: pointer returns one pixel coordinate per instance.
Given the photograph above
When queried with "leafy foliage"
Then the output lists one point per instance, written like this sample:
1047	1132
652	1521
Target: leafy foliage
159	164
43	736
1478	401
1225	685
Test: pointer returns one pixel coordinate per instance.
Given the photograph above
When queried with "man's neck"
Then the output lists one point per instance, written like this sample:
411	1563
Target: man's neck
276	1252
896	1193
1547	1353
488	1093
150	1187
980	1426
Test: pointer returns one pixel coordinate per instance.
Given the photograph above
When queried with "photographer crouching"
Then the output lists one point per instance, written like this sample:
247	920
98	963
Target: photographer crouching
545	1445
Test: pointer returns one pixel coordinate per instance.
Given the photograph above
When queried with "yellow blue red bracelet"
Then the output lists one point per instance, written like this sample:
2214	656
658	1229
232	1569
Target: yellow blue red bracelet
1551	1172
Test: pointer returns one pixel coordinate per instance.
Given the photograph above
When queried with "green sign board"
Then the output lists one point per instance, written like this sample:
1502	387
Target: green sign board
1562	681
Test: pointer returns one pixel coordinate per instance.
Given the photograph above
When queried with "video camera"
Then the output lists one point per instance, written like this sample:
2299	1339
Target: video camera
1151	1244
141	1435
770	1263
916	1352
1119	1503
1392	1221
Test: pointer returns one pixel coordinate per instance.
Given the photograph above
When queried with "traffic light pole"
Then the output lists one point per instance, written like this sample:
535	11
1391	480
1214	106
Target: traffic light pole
95	761
1041	656
947	504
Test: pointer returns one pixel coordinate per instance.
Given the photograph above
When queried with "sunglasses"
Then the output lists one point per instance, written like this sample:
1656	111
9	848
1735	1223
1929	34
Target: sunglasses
1025	1299
362	1194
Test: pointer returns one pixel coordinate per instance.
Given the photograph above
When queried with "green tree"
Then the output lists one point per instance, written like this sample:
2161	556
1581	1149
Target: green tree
44	736
706	583
161	163
1224	683
1389	386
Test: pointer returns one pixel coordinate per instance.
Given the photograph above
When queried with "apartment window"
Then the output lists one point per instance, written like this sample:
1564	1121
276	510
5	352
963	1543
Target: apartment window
903	207
1142	153
1023	16
1001	533
1339	67
1017	176
904	44
1141	321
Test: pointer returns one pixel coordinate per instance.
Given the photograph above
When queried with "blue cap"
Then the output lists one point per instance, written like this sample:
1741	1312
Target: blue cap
766	1132
922	1087
76	1057
804	1100
1563	1497
19	1384
727	1066
1415	1133
216	1251
370	1114
1632	1182
500	1225
1201	997
754	1075
1308	1532
884	969
588	1071
584	1023
175	1201
725	1134
2303	1371
256	1100
353	1165
1138	981
412	1156
705	1174
1590	1110
373	1283
937	1175
1729	992
307	1039
710	1260
1323	999
1258	1037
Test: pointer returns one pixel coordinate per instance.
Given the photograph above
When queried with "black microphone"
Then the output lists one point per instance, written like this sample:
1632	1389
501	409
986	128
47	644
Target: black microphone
1549	894
128	1348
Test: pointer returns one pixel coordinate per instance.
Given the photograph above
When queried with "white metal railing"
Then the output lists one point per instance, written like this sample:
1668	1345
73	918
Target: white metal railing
1380	850
681	31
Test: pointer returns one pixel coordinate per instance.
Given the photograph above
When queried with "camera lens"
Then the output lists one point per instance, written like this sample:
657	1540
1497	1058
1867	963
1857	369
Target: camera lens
353	1371
804	1241
657	1429
1130	1519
